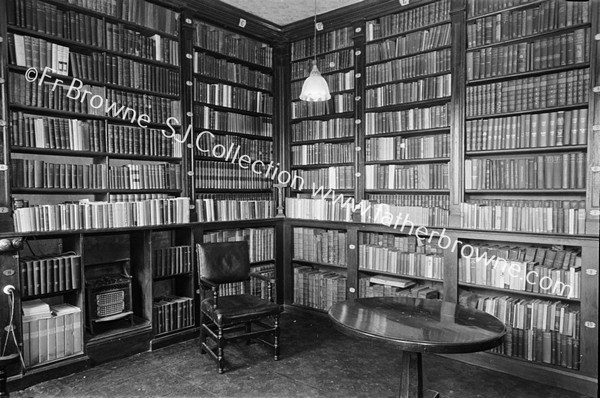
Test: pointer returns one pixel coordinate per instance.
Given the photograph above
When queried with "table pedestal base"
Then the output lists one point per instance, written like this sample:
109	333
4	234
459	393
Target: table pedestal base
411	376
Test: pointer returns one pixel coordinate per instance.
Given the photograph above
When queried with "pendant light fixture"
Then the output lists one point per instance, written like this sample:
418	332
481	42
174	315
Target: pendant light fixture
315	88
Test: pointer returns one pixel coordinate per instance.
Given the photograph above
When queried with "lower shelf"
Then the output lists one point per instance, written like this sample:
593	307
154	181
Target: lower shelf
549	375
49	371
177	336
119	342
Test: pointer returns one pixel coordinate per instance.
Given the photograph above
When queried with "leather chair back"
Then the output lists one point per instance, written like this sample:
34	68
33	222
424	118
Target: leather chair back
224	262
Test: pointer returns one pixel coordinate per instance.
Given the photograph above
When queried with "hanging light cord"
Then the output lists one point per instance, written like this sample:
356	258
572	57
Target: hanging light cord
315	37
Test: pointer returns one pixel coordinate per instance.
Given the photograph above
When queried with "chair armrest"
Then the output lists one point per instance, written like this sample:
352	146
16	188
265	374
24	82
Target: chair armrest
206	284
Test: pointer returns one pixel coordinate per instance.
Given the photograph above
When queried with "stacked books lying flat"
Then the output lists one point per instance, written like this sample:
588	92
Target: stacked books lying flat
387	286
50	275
171	261
96	215
171	313
50	333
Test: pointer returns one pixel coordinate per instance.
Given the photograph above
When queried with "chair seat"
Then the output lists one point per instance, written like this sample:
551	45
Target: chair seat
238	308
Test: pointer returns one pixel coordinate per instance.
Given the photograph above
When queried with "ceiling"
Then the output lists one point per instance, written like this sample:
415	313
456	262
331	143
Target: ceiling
283	12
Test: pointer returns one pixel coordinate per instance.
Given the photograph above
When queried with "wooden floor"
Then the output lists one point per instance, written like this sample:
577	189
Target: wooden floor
316	361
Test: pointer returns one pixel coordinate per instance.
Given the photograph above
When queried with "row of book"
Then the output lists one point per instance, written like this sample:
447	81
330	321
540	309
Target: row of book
327	63
334	177
54	333
38	53
50	96
157	108
220	175
28	173
216	145
404	243
398	148
326	246
384	286
49	19
441	201
413	42
130	42
547	52
306	130
325	42
319	289
339	103
261	241
170	313
210	209
522	276
438	61
537	330
233	72
133	74
403	216
317	209
171	261
407	120
211	38
558	217
532	93
396	261
145	176
537	130
135	197
564	171
87	67
231	122
33	131
43	275
480	7
394	176
255	286
554	257
233	97
341	81
411	19
138	12
323	153
403	92
99	215
523	22
130	140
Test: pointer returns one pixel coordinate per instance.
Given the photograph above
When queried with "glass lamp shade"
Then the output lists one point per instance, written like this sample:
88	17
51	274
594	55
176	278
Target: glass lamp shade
315	88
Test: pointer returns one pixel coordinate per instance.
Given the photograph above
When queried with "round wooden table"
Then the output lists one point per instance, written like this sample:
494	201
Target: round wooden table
417	326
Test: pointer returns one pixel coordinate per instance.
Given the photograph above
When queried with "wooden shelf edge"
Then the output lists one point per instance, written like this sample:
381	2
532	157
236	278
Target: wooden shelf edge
531	371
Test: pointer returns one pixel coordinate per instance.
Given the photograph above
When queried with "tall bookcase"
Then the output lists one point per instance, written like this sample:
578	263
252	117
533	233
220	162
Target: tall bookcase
456	88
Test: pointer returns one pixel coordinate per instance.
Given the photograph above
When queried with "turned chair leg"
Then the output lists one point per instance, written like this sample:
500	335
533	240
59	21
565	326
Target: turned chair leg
220	353
276	337
202	334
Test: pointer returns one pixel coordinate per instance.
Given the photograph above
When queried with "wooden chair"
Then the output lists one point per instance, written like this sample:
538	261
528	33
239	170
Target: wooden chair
224	318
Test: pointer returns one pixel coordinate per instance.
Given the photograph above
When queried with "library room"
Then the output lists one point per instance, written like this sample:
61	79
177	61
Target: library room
299	198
